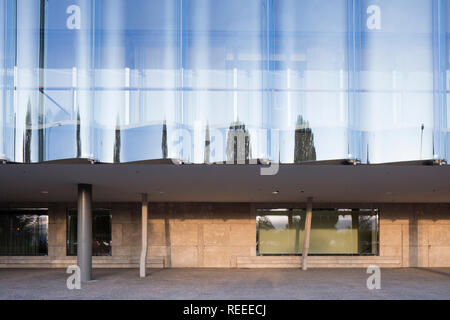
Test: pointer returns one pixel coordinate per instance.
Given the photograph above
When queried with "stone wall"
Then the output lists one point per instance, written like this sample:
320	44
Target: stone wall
418	234
201	235
224	235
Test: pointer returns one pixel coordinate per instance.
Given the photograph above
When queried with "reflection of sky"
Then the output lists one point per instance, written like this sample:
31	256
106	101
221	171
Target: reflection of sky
218	51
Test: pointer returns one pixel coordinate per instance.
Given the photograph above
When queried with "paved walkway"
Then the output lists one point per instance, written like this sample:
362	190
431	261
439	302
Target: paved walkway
228	284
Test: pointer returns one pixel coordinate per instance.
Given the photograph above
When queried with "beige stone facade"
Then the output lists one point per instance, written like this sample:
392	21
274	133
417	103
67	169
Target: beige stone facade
224	235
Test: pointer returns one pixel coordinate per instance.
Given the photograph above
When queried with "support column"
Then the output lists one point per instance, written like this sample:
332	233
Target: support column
143	262
307	233
84	231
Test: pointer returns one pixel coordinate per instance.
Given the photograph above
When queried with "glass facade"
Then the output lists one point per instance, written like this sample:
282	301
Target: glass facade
297	80
333	231
101	232
23	232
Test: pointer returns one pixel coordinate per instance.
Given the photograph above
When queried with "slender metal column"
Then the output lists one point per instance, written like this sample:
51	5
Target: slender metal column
142	265
84	231
307	233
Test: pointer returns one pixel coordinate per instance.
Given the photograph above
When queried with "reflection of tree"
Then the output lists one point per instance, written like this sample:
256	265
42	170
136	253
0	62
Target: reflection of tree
117	141
366	235
207	145
23	234
365	222
164	140
28	134
26	233
331	219
304	142
238	143
296	224
264	223
26	223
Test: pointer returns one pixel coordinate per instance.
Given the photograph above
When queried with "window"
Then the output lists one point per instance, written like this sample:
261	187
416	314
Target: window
333	231
101	232
23	232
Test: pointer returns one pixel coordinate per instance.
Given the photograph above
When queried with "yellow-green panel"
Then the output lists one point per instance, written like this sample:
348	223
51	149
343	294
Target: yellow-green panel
331	241
287	241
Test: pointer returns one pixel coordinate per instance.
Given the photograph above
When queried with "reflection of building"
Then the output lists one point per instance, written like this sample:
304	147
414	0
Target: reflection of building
238	143
304	142
207	151
164	141
117	141
78	134
116	93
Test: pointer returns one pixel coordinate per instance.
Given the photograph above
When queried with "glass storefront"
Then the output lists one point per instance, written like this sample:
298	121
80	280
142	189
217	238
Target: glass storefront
101	232
299	80
333	231
23	232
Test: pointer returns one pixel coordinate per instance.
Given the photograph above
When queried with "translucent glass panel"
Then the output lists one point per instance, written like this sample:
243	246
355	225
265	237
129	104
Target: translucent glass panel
445	118
333	231
396	80
310	79
28	100
211	81
68	79
46	102
137	103
3	73
225	54
7	79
